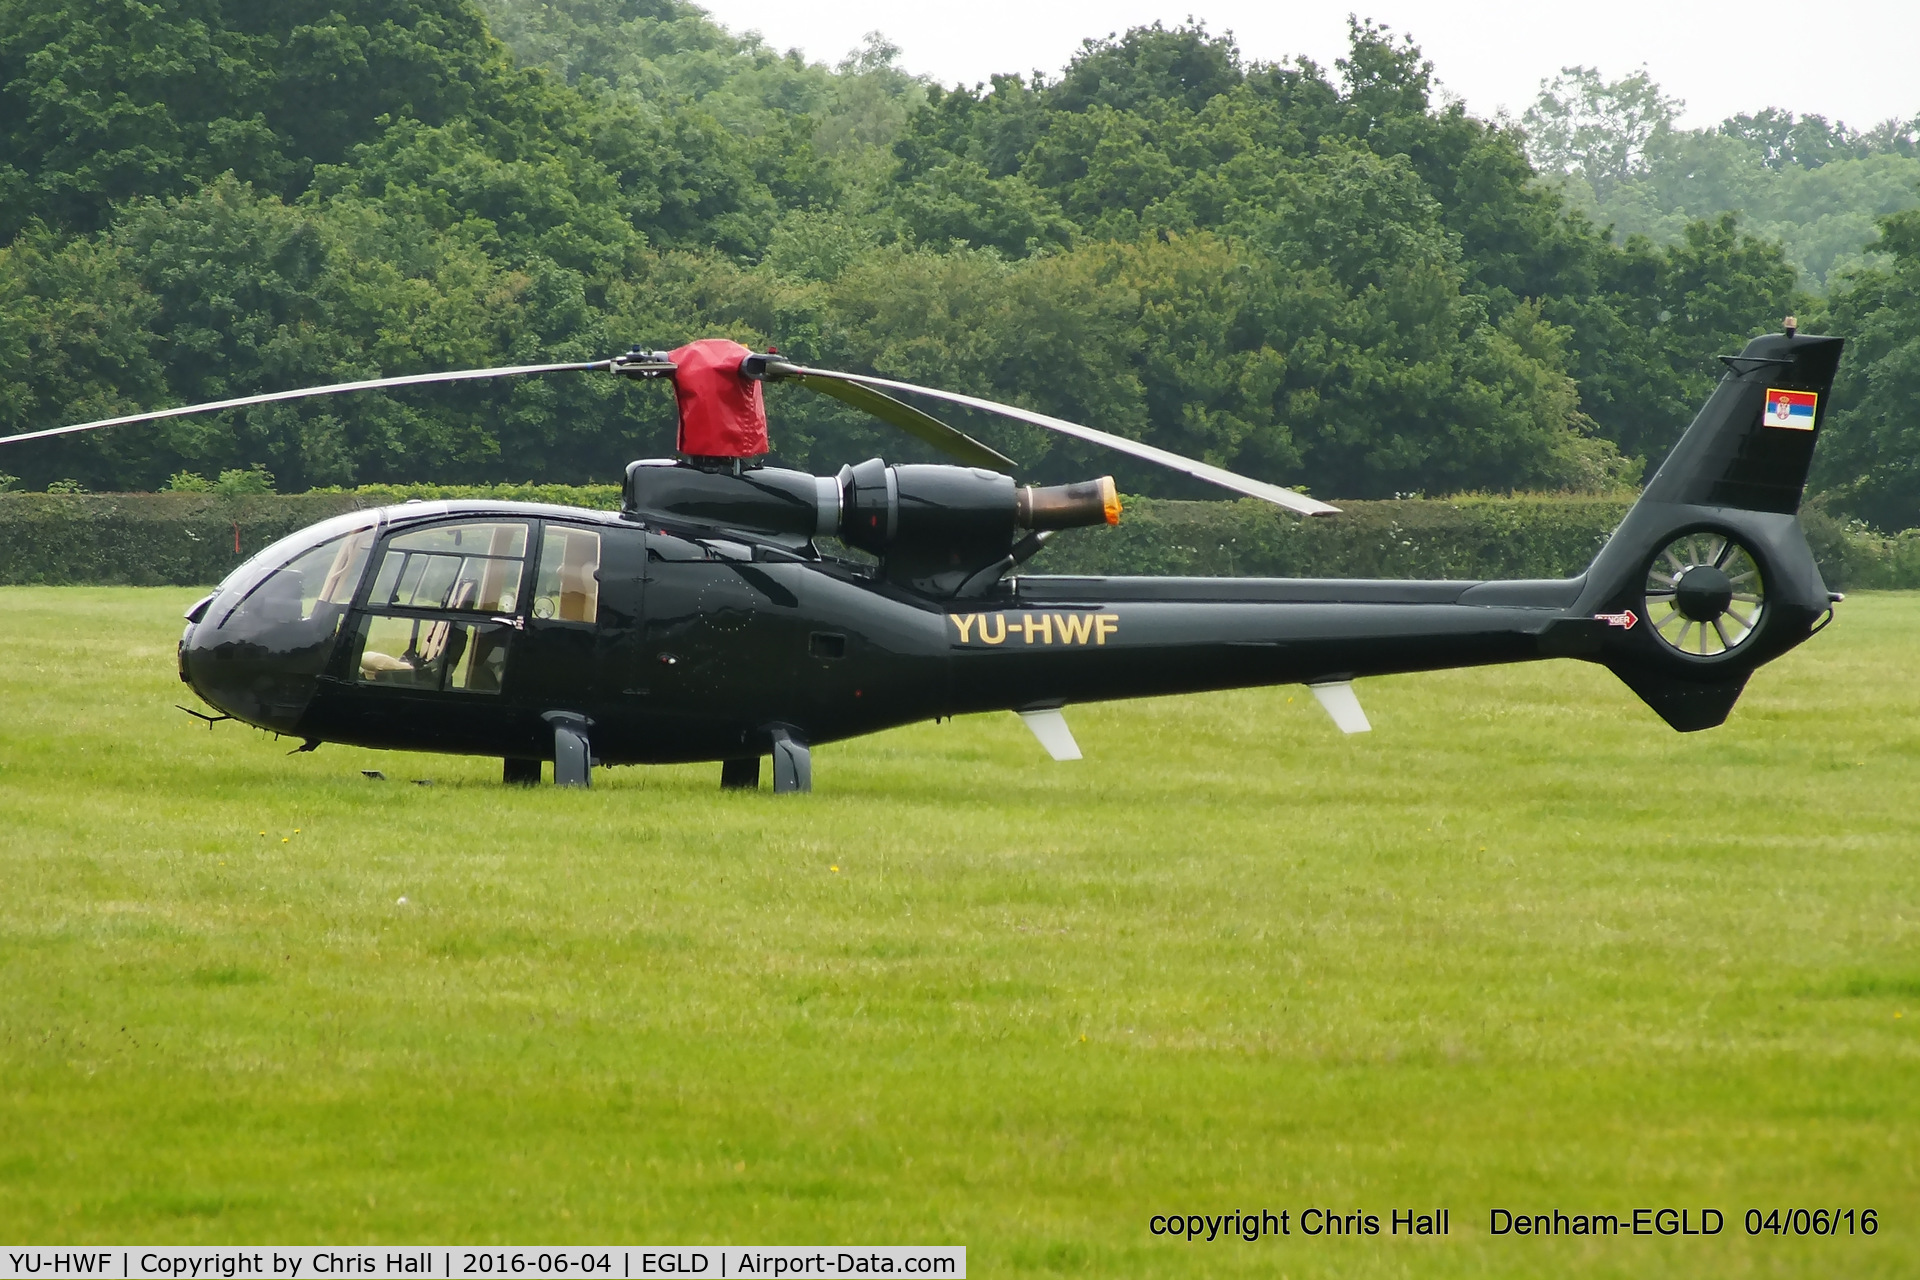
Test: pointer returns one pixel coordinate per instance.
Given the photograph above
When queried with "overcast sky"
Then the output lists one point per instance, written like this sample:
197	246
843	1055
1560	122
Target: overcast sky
1854	60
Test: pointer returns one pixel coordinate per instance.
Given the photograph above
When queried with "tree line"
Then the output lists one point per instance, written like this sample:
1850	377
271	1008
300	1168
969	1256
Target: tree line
1320	276
1616	152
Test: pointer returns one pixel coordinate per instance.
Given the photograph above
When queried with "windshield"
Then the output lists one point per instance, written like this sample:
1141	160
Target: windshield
310	556
275	623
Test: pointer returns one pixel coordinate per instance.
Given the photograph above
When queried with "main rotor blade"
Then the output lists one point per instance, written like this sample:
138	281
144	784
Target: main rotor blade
241	402
954	443
1198	470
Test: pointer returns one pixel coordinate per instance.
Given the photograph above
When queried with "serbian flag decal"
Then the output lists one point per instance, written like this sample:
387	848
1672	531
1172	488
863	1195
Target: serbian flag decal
1790	409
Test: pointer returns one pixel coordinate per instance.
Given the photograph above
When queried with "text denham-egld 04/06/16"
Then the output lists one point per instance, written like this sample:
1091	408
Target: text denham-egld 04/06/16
1323	1223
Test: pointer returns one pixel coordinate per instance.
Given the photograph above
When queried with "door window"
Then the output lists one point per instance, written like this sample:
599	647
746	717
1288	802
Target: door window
469	567
568	589
433	653
449	569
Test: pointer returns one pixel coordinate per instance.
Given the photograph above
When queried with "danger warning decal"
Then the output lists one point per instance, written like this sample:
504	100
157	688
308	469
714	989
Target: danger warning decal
1790	409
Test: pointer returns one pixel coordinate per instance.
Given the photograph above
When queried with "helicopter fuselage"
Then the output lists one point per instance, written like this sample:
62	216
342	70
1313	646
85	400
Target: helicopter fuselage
466	627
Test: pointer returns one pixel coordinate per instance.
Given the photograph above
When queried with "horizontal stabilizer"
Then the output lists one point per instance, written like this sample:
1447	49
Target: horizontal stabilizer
1050	727
1343	704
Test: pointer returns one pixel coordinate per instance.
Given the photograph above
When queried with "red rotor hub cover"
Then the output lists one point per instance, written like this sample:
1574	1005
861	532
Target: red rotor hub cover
722	415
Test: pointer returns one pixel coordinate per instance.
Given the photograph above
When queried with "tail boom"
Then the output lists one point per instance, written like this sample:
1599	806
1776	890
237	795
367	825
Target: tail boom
1708	577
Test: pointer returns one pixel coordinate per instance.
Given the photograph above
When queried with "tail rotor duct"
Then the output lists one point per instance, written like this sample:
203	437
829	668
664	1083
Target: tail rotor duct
1705	595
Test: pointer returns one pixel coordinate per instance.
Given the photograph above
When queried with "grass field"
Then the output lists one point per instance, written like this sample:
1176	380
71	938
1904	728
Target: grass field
1521	947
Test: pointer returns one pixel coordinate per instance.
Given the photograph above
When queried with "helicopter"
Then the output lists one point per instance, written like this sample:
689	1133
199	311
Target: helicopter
706	621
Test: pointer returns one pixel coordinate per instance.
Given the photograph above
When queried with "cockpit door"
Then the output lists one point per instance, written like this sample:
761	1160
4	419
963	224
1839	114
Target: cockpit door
558	647
442	610
435	639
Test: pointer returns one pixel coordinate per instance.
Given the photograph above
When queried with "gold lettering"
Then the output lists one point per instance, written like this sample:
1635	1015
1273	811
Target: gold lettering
1075	628
1045	628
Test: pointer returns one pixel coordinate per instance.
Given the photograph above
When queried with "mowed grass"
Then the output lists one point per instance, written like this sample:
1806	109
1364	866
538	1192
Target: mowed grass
1523	946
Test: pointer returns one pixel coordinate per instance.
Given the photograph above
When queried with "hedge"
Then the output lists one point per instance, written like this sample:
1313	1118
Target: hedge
146	539
1476	538
1472	538
187	539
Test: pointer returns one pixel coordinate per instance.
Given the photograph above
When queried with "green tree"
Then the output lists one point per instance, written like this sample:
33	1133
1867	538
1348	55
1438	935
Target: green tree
959	202
1321	276
228	292
1149	70
75	344
1869	465
1813	185
111	101
1584	125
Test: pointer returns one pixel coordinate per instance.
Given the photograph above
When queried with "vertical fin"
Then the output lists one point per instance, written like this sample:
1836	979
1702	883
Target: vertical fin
1684	704
1737	453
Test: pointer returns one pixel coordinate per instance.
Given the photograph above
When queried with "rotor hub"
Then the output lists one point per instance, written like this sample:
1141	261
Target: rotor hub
1703	592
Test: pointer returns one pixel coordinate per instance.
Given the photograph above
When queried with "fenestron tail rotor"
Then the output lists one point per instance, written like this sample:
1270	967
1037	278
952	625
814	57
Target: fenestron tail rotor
1705	595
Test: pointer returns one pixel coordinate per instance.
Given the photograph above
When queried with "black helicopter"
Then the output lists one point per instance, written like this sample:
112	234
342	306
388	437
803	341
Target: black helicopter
704	621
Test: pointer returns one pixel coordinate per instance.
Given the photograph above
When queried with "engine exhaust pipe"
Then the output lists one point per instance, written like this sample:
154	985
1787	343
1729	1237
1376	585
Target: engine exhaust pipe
1067	506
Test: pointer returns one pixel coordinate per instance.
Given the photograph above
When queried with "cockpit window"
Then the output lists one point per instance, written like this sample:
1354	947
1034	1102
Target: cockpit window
261	646
293	578
474	567
425	653
569	586
329	573
325	575
469	539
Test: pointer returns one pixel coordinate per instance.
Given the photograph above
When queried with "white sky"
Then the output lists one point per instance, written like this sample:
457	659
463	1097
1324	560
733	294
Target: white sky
1853	60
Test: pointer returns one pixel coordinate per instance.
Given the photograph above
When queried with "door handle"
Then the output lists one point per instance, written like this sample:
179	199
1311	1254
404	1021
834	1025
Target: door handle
518	624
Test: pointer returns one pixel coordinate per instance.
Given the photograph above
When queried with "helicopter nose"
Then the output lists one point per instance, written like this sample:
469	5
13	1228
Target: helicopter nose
193	617
253	666
256	648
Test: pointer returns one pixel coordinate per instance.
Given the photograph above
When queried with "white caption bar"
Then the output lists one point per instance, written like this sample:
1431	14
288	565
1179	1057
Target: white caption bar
460	1262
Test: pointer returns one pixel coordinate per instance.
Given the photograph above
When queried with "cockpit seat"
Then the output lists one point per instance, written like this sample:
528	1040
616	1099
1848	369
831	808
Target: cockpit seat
372	664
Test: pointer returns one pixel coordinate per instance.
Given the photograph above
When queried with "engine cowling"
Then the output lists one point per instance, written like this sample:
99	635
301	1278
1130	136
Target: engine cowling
933	527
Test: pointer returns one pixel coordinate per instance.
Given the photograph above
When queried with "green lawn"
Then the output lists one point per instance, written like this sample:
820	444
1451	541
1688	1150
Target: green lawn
1523	946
